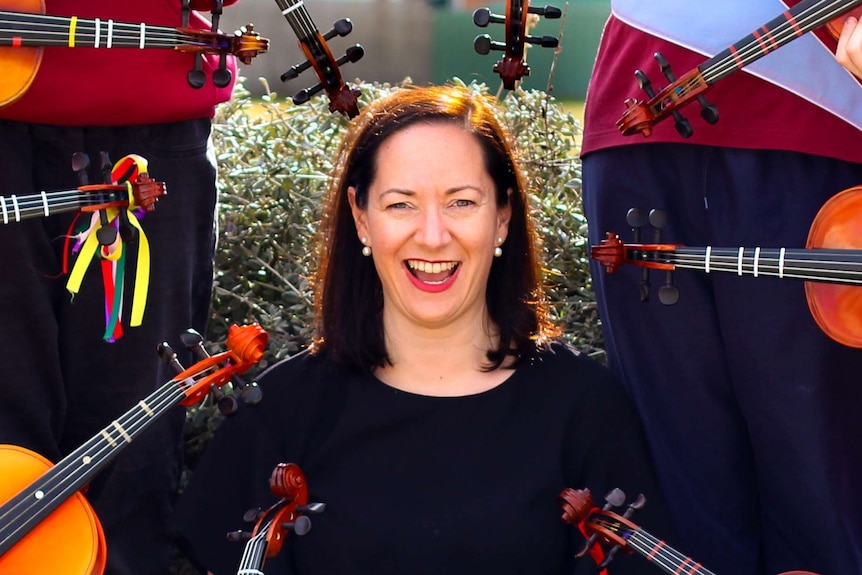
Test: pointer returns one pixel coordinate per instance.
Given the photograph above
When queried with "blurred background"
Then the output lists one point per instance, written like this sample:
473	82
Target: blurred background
429	41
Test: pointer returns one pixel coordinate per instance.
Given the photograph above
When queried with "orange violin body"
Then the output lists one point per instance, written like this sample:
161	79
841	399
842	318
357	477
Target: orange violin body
77	543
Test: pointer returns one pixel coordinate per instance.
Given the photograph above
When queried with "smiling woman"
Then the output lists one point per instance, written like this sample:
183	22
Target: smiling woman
436	415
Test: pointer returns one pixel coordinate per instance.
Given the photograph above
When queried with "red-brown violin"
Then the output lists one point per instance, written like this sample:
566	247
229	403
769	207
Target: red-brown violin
830	265
513	66
141	192
313	44
25	29
289	514
618	531
640	117
44	506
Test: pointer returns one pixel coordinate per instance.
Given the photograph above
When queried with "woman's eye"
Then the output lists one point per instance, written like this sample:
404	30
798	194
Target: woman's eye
462	203
397	206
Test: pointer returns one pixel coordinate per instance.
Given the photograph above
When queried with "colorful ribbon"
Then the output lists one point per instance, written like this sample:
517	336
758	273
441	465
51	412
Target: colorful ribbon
113	256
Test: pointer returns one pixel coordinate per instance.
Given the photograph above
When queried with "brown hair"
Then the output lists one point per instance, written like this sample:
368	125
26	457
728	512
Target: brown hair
348	293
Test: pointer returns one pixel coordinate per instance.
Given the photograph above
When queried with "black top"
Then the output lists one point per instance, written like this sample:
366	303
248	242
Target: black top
416	484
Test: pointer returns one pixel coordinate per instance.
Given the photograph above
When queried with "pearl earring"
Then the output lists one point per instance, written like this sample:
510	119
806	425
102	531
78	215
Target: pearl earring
498	251
366	250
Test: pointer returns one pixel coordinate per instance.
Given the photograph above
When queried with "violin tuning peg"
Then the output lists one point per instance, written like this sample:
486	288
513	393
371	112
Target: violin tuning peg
295	71
709	112
543	41
312	508
615	498
609	557
194	342
250	393
252	515
301	525
222	76
80	163
638	503
682	125
340	28
482	44
352	54
644	83
196	76
235	536
549	12
668	294
227	404
169	356
482	17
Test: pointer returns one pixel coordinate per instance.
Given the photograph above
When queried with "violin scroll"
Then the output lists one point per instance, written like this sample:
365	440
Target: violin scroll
289	514
318	56
245	347
512	67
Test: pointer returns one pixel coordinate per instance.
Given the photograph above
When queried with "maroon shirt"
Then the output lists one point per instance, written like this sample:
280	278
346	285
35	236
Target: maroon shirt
120	86
752	112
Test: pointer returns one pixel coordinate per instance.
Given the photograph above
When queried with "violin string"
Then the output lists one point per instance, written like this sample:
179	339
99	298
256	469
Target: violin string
816	267
57	202
807	19
664	556
55	29
57	484
671	559
298	17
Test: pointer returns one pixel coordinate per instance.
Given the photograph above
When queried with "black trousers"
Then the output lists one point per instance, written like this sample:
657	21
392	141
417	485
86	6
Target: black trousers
60	382
751	410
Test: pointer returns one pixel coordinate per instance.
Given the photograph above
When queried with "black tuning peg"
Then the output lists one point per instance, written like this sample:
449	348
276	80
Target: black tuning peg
614	498
638	503
483	44
707	111
194	342
543	41
169	356
681	123
235	536
549	12
482	17
252	515
352	54
637	219
301	525
668	294
80	163
311	508
341	28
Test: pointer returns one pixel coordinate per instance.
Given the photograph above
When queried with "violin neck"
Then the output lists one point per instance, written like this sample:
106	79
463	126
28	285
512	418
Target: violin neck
254	554
16	208
818	265
299	19
663	555
25	29
26	509
802	18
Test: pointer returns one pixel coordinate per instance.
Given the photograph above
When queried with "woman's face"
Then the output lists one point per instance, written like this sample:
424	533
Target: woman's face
432	223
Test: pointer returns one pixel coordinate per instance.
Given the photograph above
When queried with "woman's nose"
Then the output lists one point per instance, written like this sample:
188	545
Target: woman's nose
433	230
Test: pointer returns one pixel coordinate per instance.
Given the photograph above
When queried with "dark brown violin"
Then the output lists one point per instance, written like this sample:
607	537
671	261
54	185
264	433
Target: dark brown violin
640	117
290	513
830	265
26	29
318	56
513	66
44	507
618	531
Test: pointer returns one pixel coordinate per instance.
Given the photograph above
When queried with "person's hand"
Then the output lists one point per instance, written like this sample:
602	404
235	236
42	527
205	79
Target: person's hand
849	51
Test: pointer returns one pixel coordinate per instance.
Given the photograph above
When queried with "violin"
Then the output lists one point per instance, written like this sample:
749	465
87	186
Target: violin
513	66
640	116
23	34
618	531
44	507
830	265
290	513
141	192
318	56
